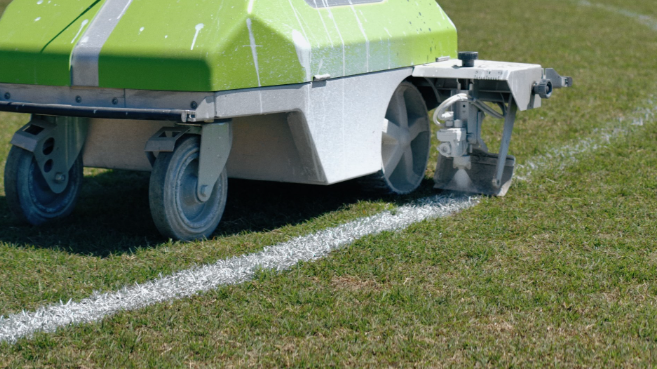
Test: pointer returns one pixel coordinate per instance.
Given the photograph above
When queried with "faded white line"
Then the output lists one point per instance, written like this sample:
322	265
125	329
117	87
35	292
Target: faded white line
557	159
643	19
226	272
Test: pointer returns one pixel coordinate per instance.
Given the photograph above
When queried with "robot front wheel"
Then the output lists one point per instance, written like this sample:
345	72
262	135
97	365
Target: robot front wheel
177	211
405	144
28	195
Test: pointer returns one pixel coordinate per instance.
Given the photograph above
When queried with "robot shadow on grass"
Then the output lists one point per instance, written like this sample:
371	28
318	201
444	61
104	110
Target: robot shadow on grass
112	215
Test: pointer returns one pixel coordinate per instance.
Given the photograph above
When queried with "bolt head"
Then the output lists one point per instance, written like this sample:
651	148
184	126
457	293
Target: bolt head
7	96
60	177
445	149
193	105
78	99
115	101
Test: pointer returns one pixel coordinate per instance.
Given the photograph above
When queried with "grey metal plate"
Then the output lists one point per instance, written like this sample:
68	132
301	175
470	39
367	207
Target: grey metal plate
520	78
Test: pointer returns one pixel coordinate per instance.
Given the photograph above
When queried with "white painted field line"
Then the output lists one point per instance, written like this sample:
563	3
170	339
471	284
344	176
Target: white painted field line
643	19
285	255
558	158
226	272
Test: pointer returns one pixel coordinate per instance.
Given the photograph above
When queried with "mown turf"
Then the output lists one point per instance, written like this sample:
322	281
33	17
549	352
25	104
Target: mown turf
110	240
558	272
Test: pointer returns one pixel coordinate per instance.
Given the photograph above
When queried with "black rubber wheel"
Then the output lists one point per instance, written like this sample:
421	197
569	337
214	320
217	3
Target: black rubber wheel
29	197
176	210
405	145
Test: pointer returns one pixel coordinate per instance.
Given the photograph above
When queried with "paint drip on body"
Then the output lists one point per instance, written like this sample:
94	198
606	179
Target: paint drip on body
303	52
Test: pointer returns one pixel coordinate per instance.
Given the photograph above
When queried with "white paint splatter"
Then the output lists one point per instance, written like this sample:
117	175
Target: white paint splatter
389	46
39	2
367	41
198	28
84	23
344	54
446	16
254	50
250	7
125	8
305	37
303	52
141	30
37	19
321	17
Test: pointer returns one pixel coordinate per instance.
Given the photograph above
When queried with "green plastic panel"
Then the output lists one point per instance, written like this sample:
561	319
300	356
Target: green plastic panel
37	37
213	45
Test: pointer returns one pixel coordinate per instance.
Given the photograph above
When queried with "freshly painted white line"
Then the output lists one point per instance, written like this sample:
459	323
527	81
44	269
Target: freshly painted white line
285	255
643	19
226	272
307	248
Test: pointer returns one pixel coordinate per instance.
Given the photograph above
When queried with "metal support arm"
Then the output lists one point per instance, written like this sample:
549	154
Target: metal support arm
216	142
509	121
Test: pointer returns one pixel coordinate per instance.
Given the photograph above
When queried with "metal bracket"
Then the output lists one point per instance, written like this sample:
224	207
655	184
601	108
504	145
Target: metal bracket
216	143
509	121
56	143
164	140
557	80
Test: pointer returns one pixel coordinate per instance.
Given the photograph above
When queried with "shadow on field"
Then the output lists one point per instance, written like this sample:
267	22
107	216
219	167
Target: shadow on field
113	216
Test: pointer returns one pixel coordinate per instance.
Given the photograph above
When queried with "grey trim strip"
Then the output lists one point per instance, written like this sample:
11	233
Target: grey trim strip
84	59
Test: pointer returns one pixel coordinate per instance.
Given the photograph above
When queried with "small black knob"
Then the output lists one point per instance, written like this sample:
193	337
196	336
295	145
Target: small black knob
543	88
468	58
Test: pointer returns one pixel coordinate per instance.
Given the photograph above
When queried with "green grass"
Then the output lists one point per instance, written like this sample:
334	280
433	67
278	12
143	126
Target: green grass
560	272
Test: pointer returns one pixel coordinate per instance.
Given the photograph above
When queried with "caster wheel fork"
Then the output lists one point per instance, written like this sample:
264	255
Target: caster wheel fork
177	211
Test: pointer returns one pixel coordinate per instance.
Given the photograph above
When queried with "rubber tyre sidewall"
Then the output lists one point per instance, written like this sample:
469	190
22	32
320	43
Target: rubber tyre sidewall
19	185
163	197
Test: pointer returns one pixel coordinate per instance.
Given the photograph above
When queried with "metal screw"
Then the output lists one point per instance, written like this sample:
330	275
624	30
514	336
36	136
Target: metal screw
115	101
7	96
496	183
194	105
204	190
59	177
78	99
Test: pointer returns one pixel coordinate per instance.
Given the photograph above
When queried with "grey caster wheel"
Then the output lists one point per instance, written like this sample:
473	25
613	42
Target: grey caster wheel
29	197
405	145
176	210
